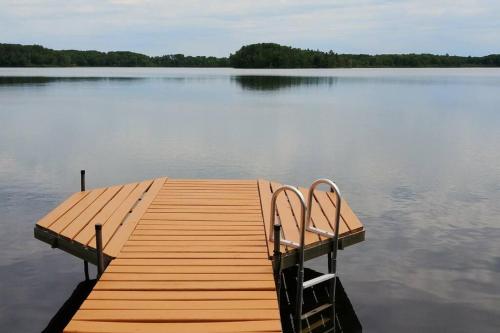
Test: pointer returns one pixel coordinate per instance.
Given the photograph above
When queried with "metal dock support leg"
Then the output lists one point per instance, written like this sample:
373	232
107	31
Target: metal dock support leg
98	245
82	180
277	259
82	188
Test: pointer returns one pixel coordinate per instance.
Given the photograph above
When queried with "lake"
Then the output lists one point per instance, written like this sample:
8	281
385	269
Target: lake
415	151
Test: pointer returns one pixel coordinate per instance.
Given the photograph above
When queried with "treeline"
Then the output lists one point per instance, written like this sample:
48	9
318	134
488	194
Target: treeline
269	55
265	55
14	55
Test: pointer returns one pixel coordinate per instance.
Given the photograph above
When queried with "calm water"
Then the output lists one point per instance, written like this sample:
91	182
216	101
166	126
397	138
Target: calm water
416	152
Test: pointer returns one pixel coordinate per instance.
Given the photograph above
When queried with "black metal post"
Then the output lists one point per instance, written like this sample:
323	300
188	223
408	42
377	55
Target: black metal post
277	259
82	180
82	188
98	246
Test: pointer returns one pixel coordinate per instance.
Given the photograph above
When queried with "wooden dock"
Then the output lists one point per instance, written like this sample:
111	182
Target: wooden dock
186	255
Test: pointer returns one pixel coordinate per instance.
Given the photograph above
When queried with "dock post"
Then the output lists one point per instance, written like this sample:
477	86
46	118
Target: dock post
277	259
82	180
98	246
82	188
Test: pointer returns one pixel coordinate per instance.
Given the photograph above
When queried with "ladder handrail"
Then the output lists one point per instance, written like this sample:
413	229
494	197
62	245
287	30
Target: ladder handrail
302	216
299	246
335	189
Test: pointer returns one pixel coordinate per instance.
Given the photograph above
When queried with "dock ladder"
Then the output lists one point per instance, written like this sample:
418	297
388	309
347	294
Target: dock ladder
308	286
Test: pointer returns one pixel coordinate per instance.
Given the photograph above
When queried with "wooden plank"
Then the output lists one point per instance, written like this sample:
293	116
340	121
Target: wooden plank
215	269
212	194
202	217
193	248
196	238
83	326
184	285
239	182
205	233
190	190
188	262
183	295
75	211
229	197
86	235
208	202
193	255
204	243
186	277
210	186
91	304
115	244
204	209
60	210
211	224
187	227
79	223
145	316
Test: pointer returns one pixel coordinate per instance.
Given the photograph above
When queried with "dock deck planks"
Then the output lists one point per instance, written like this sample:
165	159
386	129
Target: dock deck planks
186	255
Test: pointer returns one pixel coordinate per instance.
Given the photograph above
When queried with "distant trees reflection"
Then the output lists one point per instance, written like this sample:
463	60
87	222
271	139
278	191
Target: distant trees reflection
263	83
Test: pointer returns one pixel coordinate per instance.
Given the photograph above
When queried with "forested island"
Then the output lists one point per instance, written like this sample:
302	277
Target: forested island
269	55
15	55
263	55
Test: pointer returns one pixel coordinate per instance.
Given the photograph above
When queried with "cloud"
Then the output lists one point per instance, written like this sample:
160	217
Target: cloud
220	27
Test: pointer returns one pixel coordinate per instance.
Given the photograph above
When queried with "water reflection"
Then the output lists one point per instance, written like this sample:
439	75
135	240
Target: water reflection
40	80
264	83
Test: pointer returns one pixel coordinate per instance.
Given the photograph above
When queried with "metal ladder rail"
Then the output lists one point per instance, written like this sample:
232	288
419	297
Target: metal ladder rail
299	246
273	216
332	255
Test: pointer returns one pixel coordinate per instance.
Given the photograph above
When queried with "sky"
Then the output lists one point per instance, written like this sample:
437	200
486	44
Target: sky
218	28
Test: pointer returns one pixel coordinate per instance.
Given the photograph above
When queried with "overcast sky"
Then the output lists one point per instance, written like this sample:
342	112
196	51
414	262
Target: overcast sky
155	27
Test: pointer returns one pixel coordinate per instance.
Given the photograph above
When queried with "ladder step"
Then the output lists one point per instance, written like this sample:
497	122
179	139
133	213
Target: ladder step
315	311
316	325
318	280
